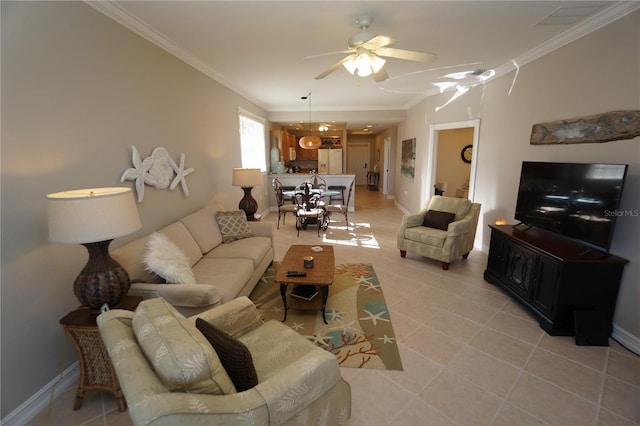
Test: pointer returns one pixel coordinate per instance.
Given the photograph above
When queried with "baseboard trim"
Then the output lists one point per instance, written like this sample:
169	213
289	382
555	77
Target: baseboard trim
39	401
626	339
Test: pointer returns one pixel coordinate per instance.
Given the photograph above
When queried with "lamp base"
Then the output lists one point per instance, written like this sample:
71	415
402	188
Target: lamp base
248	204
102	280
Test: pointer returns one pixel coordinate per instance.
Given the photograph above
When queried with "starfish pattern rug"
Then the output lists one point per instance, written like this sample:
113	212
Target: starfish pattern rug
359	330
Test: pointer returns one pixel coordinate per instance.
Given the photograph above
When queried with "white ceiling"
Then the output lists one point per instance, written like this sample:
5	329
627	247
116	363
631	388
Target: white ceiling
258	48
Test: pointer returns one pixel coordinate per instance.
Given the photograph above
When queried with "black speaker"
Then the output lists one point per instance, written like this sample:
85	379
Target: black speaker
592	328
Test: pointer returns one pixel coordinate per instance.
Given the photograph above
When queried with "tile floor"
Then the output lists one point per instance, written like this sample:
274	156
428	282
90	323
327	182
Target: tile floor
471	356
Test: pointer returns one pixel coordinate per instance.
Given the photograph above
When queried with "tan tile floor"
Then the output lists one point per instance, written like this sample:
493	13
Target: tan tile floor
471	356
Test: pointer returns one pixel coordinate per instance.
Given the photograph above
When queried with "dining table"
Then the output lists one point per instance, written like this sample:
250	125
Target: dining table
310	197
314	191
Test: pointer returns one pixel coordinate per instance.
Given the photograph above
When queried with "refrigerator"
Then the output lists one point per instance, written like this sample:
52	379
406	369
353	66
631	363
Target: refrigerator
330	161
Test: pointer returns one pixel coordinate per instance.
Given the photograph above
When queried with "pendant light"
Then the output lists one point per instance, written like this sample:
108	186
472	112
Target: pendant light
311	141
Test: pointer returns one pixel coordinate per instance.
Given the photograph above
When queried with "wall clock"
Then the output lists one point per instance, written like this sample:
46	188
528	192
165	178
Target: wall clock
466	153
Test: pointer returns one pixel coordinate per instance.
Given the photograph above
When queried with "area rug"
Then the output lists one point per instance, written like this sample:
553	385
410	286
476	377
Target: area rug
359	332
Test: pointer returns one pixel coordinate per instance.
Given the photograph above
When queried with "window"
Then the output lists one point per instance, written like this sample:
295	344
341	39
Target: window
252	143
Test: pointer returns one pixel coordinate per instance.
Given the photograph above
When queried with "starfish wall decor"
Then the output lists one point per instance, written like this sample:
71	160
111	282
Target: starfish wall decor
158	170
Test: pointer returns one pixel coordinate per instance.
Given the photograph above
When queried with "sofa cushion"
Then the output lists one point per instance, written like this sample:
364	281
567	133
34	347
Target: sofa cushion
204	228
167	260
254	249
228	275
181	237
180	355
233	225
275	347
459	206
429	236
437	219
130	256
234	355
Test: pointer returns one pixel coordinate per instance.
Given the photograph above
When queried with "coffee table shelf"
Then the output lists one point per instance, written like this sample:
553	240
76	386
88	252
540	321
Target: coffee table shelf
320	276
294	302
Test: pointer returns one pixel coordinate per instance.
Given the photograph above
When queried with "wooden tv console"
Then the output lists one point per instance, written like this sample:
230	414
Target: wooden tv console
554	277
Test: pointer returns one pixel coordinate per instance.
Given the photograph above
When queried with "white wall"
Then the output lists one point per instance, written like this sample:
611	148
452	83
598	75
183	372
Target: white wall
77	91
596	74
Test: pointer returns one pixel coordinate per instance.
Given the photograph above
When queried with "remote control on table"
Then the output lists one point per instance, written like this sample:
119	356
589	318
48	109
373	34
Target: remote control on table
296	274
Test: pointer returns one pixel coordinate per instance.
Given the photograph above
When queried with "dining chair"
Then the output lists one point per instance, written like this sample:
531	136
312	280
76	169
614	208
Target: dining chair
283	208
318	183
288	198
342	208
309	211
338	197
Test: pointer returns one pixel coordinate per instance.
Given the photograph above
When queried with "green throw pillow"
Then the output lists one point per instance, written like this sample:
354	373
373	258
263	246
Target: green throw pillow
233	225
437	219
234	356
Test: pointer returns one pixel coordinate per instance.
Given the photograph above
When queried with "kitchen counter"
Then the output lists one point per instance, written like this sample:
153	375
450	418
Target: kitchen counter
295	179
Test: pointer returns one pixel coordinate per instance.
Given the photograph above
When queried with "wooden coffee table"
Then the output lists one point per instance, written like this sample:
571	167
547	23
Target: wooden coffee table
321	275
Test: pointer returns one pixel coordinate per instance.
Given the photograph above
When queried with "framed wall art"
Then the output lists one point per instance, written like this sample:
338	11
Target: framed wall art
408	160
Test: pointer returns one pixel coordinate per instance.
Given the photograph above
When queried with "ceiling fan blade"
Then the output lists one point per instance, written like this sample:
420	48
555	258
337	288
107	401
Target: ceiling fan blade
380	75
409	55
333	67
327	54
378	42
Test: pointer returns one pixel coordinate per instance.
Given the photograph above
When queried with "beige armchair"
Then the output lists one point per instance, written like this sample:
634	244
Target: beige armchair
446	236
171	375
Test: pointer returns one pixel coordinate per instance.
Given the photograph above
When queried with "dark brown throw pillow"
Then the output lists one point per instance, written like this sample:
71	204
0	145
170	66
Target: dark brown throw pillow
437	219
234	356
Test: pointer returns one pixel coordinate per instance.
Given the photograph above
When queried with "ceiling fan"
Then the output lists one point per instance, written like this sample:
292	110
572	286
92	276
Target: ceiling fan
366	52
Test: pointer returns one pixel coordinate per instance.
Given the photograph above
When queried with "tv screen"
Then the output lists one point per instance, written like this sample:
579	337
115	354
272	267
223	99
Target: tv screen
578	201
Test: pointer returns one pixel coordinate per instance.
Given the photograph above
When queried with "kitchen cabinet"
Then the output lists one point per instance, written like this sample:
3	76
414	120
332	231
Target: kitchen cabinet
286	144
554	278
289	147
307	154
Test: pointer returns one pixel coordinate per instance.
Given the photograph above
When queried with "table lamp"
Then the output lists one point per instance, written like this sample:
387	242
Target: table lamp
247	179
94	217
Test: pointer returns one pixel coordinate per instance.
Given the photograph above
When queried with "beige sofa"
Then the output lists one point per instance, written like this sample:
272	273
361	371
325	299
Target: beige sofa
223	271
171	374
452	241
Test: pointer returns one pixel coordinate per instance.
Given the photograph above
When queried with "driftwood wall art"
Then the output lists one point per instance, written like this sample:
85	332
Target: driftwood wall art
158	170
610	126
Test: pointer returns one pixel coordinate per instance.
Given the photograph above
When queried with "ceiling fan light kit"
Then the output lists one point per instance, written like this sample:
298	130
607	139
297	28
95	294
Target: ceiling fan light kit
364	63
365	51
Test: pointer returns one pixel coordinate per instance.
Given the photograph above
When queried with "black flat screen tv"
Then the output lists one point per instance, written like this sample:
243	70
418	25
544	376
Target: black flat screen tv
575	200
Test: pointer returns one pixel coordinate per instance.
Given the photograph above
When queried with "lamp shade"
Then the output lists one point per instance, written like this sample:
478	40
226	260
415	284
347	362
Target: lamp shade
91	215
310	142
246	178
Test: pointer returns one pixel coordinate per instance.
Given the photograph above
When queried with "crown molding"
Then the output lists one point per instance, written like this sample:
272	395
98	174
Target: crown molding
589	25
124	18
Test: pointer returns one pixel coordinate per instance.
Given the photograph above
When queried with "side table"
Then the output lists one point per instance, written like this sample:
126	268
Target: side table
373	179
96	370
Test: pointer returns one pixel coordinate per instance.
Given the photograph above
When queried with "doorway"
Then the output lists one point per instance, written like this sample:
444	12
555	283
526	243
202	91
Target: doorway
385	167
453	168
434	144
358	157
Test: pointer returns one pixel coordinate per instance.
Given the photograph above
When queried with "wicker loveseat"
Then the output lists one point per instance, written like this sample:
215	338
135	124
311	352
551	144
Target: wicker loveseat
171	375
